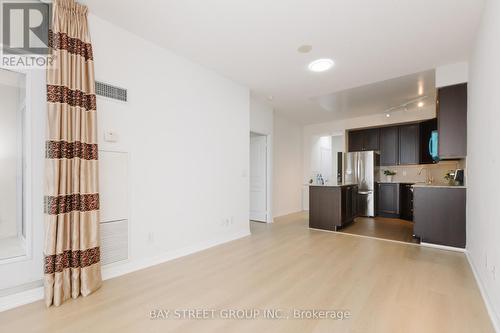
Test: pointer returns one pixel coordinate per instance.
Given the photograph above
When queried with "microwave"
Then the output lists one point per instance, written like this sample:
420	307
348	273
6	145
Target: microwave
433	146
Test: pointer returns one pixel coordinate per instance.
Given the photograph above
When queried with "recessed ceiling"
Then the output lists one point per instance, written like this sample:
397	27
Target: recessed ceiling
381	97
369	41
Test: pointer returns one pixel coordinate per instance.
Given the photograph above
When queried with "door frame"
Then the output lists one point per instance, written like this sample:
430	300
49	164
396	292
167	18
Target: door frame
269	176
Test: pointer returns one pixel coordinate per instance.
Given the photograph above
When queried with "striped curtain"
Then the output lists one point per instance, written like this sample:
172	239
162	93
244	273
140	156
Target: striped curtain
72	254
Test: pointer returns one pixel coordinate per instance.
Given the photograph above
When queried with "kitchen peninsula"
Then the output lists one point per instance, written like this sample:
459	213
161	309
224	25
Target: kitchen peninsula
332	206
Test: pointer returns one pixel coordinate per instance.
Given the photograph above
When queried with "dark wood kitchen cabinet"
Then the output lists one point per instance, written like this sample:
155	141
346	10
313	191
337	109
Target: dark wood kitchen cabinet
356	140
331	207
439	215
409	144
406	201
388	199
389	145
371	139
452	121
363	140
349	203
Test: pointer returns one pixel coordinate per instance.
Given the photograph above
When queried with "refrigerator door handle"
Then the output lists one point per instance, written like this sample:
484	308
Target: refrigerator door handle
365	192
358	176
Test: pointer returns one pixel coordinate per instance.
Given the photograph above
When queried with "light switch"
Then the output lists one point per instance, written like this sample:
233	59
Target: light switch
110	136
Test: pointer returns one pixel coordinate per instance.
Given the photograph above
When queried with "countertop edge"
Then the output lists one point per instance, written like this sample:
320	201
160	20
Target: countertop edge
339	185
438	186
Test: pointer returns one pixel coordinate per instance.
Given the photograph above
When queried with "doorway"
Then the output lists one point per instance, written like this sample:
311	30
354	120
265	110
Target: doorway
259	178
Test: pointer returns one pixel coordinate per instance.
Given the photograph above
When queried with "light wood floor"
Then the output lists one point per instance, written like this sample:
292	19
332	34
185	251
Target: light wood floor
379	227
387	287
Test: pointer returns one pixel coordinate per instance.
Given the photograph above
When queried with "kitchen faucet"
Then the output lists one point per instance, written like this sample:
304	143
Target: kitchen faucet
428	178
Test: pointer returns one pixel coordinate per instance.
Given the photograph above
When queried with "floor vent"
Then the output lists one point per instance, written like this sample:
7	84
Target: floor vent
114	241
109	91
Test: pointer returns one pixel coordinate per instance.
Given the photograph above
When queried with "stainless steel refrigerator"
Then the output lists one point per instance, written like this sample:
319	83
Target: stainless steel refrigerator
360	168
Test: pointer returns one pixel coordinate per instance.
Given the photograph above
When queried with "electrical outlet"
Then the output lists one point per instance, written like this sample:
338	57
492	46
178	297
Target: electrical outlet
493	272
151	237
226	222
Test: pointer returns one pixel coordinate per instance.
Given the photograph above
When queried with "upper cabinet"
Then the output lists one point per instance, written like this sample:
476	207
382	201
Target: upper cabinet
363	140
355	141
398	145
409	144
371	139
452	121
389	146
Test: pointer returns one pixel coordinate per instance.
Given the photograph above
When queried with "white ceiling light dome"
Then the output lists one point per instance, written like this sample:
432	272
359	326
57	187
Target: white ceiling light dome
321	65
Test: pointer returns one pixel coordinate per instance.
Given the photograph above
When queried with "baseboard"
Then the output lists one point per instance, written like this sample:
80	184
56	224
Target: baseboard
284	215
24	297
443	247
489	306
118	269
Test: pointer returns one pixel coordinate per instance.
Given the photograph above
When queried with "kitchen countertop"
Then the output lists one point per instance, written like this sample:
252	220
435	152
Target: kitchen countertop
414	185
331	185
385	182
438	186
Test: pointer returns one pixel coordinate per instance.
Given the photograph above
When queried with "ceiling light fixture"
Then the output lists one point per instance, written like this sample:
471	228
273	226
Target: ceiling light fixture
404	106
321	65
420	88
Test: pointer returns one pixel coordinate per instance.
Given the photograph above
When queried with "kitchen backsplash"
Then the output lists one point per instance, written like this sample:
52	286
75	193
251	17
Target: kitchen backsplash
410	173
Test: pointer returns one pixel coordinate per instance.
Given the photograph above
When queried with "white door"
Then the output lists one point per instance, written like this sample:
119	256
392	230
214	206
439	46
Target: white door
258	178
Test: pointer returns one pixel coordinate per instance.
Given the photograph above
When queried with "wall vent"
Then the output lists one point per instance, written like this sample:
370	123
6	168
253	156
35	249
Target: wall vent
114	241
109	91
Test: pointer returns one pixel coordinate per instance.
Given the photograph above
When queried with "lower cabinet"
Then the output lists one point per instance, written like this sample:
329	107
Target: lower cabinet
388	199
349	203
439	215
331	207
406	202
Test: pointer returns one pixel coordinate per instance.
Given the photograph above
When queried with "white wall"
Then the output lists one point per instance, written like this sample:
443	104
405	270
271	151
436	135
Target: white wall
287	166
451	74
187	133
9	112
262	122
483	160
320	163
186	130
261	117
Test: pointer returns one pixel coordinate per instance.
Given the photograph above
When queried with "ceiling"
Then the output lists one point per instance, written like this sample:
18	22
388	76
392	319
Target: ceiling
381	97
255	42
